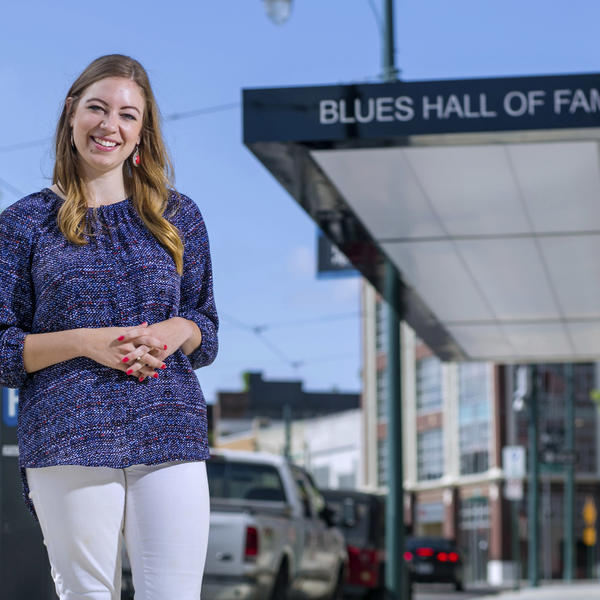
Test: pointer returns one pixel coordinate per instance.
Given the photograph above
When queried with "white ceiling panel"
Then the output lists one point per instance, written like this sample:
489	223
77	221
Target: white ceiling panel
586	338
574	266
437	273
389	202
471	188
497	240
539	340
560	183
486	342
511	276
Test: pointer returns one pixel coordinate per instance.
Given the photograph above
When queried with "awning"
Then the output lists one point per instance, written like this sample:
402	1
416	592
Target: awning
484	194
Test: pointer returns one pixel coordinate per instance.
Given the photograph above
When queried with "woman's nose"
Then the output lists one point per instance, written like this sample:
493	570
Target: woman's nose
109	122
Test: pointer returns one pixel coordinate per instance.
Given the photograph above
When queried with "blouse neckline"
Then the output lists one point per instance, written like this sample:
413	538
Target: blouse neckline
104	208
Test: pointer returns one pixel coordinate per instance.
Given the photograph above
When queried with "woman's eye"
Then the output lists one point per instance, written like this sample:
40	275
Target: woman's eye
95	107
128	116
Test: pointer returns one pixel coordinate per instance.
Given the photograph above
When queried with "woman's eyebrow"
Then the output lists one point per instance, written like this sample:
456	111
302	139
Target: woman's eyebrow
106	104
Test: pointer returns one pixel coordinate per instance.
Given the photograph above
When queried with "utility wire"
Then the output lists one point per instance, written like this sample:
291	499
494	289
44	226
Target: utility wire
171	117
258	330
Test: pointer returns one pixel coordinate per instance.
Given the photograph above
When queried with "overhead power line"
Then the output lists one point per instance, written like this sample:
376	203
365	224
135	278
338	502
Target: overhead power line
171	117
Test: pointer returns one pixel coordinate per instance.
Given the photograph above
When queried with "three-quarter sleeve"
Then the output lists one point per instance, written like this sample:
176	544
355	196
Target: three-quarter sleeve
16	294
197	300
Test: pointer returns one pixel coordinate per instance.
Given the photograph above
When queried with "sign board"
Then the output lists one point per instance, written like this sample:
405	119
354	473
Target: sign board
331	261
513	462
559	457
405	108
513	489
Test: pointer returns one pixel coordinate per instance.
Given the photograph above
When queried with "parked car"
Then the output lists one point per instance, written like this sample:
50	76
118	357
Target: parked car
271	534
361	517
434	559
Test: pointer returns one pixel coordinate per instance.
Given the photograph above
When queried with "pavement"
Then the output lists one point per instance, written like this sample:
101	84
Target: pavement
554	591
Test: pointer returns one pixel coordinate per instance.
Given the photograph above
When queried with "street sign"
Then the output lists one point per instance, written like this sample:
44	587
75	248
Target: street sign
513	461
513	489
559	457
589	536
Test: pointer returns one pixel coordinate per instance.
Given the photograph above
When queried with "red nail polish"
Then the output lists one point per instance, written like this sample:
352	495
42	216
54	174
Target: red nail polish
163	366
165	347
130	371
141	379
125	359
155	375
121	338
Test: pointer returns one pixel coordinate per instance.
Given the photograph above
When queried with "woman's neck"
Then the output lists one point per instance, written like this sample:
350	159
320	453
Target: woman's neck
107	188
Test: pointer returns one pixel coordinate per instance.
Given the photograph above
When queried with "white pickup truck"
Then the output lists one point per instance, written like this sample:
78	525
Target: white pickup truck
271	535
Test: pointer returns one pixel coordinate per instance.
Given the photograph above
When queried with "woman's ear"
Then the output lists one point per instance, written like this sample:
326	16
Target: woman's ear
68	106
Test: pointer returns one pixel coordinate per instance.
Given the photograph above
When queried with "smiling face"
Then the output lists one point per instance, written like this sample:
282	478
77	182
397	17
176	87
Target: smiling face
107	124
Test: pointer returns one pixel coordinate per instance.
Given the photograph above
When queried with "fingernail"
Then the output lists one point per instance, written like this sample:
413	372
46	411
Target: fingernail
121	337
125	359
165	347
155	375
141	379
130	371
163	366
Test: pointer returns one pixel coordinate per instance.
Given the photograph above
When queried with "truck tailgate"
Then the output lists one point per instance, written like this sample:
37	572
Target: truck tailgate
226	543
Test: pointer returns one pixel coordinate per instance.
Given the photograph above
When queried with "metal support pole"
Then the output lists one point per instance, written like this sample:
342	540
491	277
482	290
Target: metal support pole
569	473
390	72
287	420
534	475
516	543
396	583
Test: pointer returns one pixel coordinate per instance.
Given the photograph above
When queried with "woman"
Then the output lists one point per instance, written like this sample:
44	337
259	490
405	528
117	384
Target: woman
106	309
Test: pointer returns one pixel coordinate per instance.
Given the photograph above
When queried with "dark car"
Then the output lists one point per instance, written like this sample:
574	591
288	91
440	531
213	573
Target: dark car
361	517
434	560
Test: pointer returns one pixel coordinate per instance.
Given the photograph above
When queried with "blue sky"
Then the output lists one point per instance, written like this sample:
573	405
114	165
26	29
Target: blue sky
201	54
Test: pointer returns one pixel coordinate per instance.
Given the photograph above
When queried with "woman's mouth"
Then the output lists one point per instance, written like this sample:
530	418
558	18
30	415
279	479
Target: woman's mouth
103	144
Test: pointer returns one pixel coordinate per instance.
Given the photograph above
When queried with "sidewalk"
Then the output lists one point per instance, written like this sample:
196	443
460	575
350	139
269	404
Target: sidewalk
552	591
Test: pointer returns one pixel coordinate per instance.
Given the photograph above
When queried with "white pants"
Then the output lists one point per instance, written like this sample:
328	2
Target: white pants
161	510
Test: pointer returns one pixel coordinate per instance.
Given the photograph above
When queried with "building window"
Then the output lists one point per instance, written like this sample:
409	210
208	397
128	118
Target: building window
382	395
381	326
382	454
474	415
430	455
429	385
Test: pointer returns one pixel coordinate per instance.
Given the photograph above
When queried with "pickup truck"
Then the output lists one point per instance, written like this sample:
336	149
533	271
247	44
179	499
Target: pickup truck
271	533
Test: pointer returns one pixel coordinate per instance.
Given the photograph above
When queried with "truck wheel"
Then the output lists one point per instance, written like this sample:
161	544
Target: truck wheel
282	584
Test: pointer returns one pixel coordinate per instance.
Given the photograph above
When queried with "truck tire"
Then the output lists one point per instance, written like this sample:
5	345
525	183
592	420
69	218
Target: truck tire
281	587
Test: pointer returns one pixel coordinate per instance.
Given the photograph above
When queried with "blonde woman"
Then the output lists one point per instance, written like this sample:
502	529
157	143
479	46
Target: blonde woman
106	309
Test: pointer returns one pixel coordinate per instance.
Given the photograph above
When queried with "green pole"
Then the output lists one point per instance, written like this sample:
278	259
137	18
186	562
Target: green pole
390	72
287	420
395	572
532	513
569	474
396	579
516	543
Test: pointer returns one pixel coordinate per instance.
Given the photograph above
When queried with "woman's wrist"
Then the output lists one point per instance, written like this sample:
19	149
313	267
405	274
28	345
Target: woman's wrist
194	337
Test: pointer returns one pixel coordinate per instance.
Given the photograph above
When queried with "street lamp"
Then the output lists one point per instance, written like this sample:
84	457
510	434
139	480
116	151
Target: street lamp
278	10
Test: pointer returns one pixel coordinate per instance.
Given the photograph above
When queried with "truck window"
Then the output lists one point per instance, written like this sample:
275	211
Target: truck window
244	481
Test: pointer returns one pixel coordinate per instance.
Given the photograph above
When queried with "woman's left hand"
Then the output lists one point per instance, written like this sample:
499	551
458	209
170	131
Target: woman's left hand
153	344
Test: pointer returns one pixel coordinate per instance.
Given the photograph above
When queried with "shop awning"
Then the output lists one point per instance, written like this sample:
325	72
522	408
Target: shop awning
484	194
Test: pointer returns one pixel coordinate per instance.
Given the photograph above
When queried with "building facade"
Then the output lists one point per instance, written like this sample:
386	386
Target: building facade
457	417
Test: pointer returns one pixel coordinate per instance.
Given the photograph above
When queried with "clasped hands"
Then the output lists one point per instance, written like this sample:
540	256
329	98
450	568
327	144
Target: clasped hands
140	351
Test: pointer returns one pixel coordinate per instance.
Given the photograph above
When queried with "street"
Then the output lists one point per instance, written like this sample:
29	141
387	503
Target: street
440	591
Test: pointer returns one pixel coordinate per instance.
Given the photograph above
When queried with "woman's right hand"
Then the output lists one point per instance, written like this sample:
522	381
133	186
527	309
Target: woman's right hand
103	346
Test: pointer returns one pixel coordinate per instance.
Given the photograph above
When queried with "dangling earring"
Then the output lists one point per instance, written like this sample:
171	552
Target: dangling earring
136	156
73	146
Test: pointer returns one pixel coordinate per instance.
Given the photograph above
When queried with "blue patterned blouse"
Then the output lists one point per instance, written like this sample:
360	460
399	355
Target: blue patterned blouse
78	411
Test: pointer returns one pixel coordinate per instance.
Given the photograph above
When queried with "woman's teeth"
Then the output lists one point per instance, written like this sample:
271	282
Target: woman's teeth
104	143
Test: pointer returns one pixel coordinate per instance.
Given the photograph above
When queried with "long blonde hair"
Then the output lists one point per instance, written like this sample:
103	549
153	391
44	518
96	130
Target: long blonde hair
149	183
